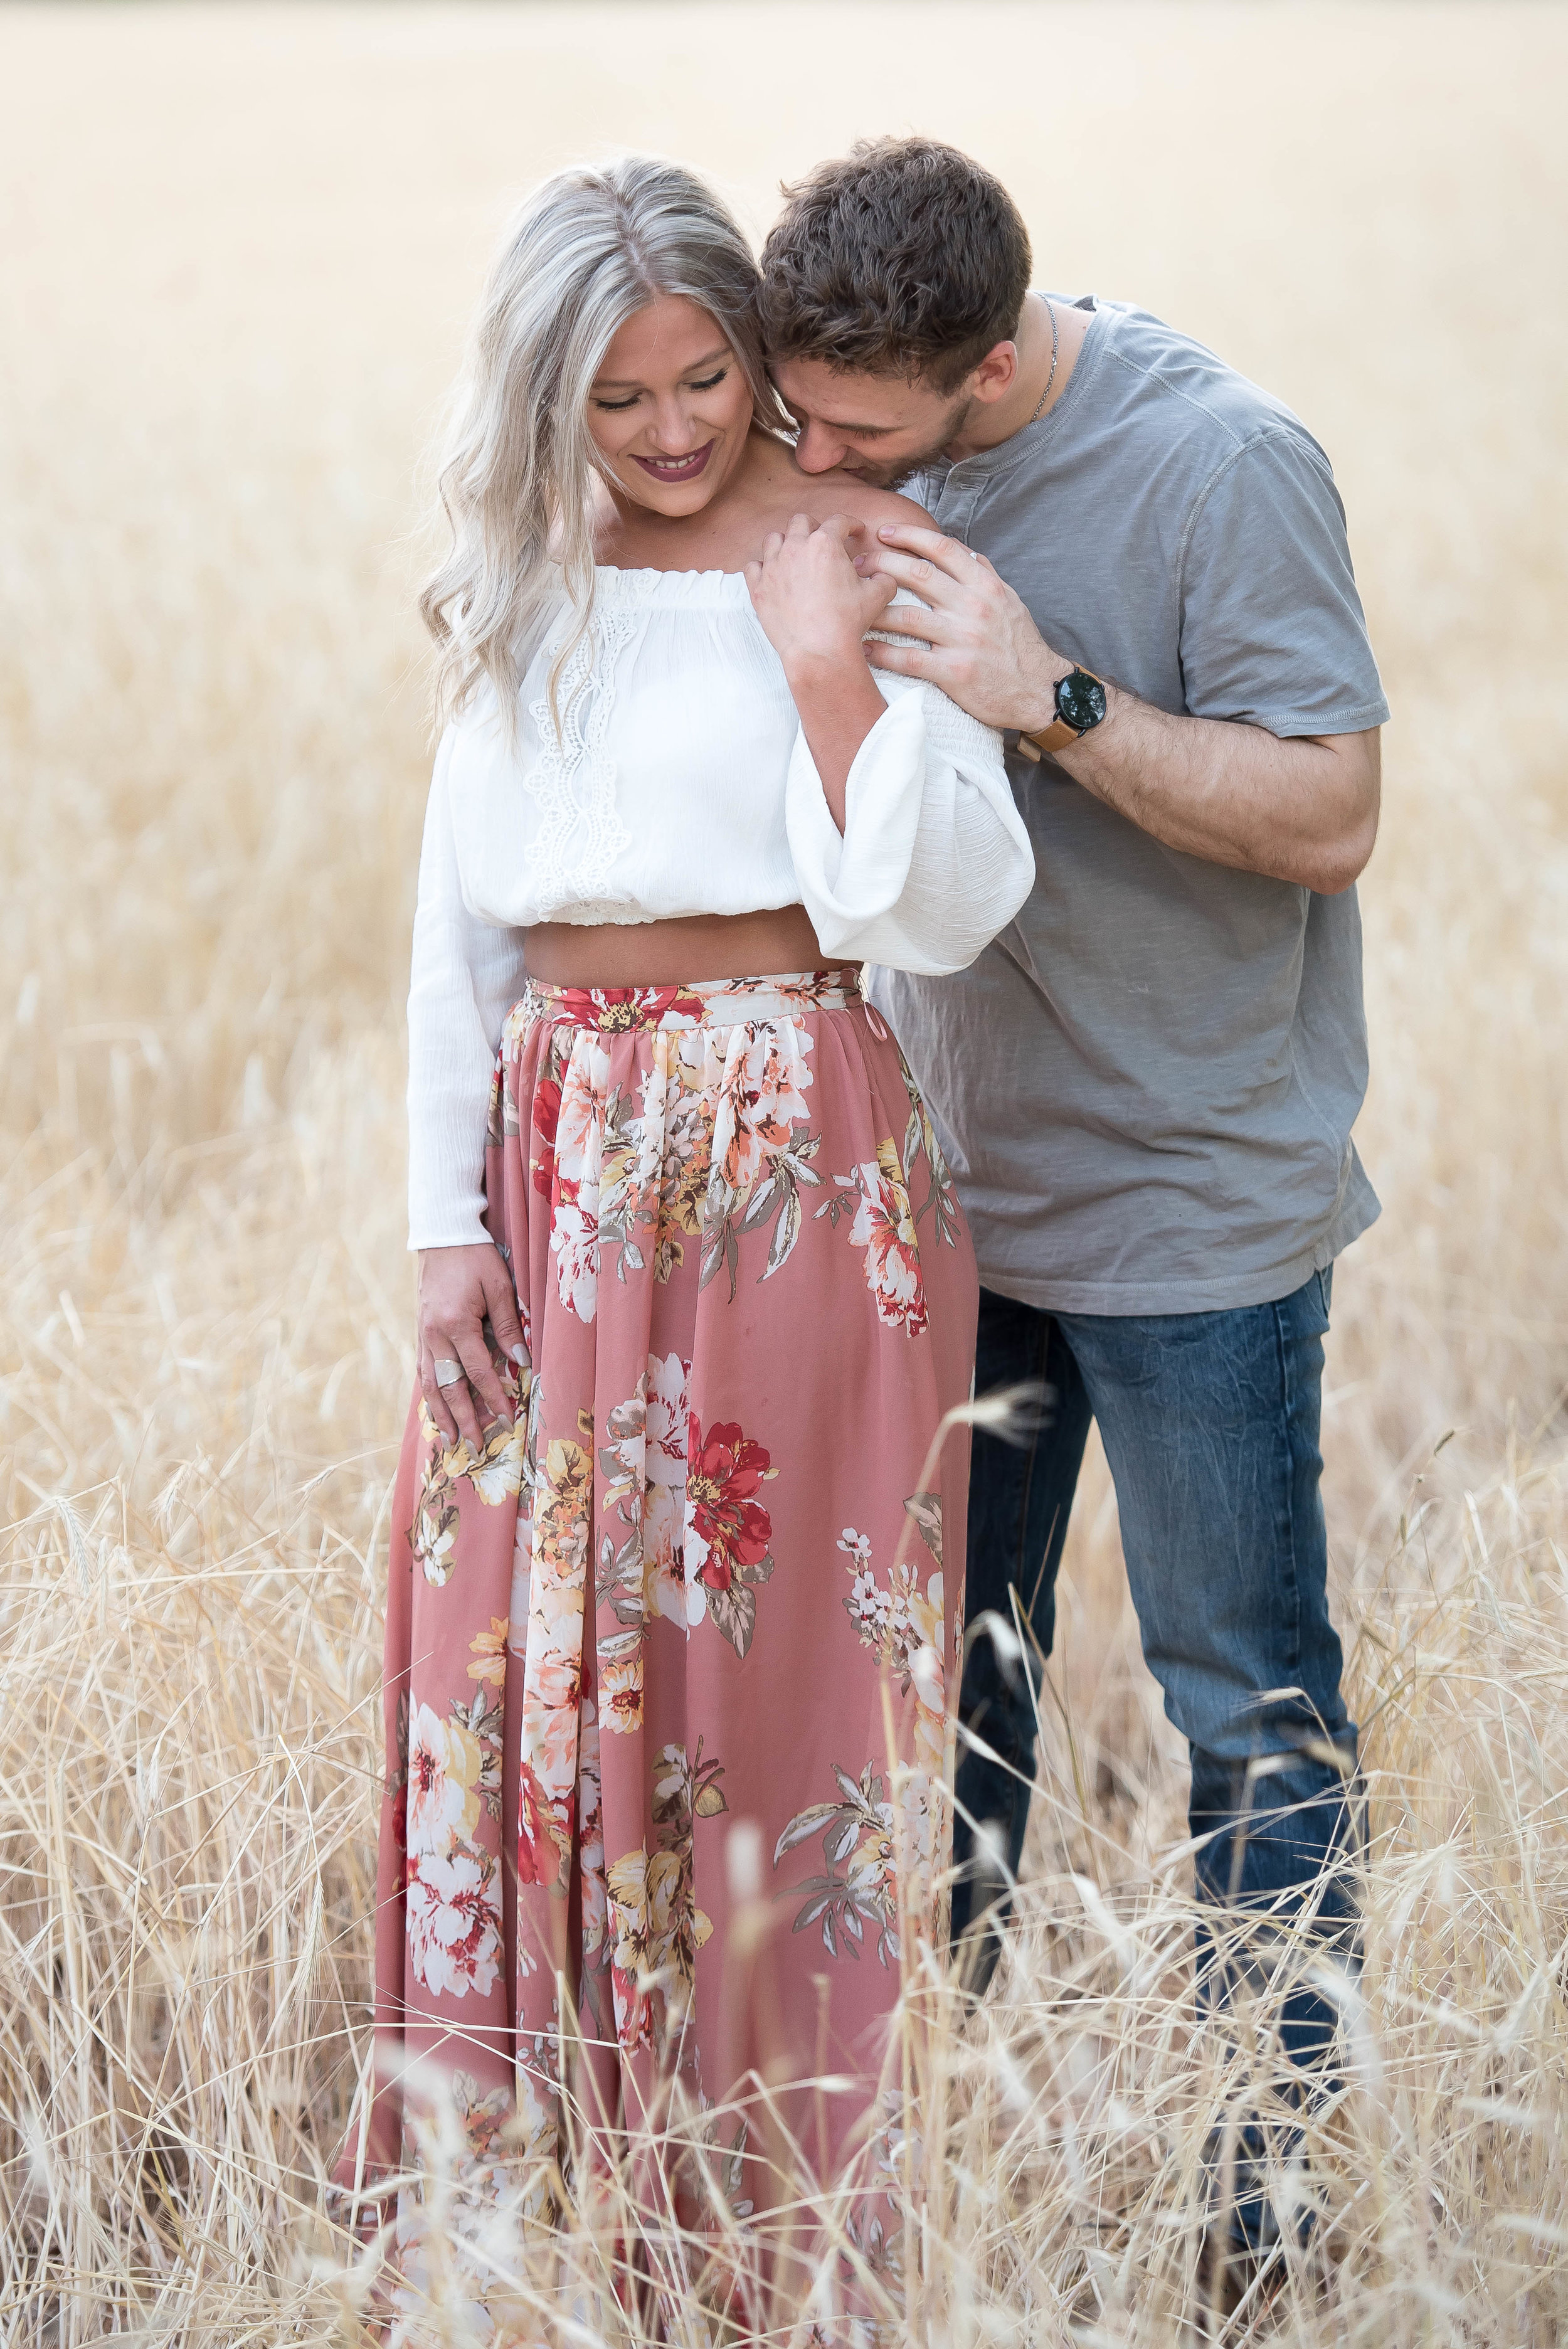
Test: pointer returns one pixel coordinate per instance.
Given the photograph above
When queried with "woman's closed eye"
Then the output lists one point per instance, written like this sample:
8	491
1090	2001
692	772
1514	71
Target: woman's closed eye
708	383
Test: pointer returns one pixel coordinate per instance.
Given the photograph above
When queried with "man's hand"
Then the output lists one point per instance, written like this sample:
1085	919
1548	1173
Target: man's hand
984	650
1302	809
461	1288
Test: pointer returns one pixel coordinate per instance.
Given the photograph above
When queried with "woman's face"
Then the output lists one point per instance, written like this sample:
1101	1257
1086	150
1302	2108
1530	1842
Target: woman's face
670	408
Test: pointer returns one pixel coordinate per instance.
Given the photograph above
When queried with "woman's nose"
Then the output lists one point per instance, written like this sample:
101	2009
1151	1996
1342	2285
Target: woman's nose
672	428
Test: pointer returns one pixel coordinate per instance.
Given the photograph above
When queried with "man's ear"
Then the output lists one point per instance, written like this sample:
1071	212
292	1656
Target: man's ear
996	373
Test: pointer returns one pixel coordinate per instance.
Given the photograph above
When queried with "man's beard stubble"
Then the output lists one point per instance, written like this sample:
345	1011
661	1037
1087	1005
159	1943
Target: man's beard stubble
894	476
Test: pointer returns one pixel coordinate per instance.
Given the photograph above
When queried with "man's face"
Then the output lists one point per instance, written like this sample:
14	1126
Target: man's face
879	428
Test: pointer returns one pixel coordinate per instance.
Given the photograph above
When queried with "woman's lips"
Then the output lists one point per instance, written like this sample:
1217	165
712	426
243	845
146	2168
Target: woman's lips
679	469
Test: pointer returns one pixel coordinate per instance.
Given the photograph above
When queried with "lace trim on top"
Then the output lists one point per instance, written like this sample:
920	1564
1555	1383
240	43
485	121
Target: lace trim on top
580	833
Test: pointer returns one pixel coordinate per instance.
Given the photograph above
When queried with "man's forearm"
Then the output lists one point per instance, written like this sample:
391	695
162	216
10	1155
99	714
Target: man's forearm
1302	810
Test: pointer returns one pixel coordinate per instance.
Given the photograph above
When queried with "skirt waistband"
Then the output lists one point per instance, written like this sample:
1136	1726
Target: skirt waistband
695	1003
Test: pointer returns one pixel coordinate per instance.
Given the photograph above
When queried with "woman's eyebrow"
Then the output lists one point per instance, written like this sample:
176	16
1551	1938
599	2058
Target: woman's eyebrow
708	358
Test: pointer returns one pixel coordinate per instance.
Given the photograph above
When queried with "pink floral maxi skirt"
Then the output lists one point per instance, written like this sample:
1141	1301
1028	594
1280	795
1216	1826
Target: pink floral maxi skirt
675	1648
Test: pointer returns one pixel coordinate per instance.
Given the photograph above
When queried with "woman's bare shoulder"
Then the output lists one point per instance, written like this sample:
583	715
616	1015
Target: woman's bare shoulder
873	506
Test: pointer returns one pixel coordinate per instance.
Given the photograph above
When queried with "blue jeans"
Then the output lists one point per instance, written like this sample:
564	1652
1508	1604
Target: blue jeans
1210	1422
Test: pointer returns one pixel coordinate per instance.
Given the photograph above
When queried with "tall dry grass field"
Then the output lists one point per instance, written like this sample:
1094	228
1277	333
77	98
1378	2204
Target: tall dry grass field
240	245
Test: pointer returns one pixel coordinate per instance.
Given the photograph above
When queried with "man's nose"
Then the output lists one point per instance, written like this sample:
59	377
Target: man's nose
817	451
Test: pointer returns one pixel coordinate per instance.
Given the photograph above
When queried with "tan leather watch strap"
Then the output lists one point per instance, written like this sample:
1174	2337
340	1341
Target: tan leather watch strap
1045	746
1057	736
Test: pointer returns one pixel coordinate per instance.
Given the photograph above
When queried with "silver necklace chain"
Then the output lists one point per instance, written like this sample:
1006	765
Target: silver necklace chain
1052	377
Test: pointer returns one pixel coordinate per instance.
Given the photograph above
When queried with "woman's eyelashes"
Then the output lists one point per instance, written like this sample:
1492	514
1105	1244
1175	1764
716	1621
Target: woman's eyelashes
615	407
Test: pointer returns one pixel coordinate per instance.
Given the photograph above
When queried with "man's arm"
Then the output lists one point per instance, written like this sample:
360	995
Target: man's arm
1302	810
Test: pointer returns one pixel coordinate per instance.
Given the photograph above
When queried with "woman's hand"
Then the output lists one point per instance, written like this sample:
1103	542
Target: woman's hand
461	1288
814	605
815	609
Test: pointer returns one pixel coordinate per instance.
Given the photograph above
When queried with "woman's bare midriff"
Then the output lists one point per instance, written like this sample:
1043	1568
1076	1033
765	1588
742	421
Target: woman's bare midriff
661	954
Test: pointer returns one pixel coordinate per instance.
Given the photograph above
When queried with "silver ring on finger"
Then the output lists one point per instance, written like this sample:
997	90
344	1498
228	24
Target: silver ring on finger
449	1373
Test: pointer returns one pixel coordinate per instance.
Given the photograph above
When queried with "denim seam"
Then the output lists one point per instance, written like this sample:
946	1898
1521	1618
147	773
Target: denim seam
1025	1594
1287	1406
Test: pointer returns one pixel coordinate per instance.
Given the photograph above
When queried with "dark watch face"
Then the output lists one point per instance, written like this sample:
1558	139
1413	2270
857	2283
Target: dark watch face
1080	701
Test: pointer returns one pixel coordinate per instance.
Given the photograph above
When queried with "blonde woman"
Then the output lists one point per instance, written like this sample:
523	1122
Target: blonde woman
694	1290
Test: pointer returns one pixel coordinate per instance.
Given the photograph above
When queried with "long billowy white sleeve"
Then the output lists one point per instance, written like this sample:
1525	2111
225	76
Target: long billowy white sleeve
933	858
465	976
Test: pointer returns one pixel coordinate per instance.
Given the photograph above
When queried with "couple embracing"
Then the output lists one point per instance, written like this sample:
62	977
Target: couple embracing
866	944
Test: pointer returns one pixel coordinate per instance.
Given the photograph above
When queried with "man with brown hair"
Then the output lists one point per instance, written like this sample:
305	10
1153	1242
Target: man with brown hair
1139	572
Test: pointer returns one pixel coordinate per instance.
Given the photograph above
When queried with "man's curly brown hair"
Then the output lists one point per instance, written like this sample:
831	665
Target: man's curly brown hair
902	257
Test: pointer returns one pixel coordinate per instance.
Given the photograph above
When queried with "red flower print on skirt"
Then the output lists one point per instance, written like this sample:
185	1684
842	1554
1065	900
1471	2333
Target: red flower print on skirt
615	1010
726	1469
727	1531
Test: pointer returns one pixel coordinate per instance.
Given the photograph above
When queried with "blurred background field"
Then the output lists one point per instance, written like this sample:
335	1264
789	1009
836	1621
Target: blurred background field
241	244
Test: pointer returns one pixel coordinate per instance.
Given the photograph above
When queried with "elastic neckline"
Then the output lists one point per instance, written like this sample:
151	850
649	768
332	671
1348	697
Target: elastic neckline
682	590
675	590
656	571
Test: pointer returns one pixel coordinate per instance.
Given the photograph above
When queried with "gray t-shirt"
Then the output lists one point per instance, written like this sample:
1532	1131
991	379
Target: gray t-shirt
1147	1083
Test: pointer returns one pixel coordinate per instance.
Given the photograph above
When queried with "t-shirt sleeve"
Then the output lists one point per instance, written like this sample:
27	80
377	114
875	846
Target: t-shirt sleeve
1272	629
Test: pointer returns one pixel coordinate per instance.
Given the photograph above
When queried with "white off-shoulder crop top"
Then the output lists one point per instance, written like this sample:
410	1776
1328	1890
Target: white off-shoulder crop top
681	784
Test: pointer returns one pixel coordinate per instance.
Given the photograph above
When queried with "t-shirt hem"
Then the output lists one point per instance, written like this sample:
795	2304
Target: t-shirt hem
1357	719
1118	1298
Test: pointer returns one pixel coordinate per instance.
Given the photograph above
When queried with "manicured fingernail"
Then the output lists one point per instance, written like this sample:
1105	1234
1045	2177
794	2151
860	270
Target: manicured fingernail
520	1357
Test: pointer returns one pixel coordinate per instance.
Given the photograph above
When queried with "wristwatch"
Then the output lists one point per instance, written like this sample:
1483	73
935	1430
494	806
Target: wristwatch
1081	706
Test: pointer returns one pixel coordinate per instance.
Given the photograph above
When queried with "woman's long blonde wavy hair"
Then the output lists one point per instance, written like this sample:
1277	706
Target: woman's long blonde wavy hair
589	248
